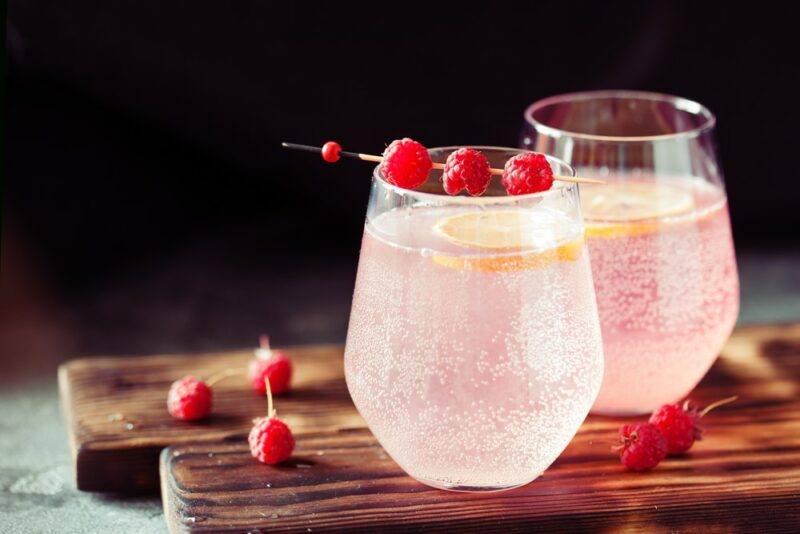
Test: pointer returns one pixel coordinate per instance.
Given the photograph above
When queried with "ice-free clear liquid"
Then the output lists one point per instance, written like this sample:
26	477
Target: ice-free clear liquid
668	297
473	368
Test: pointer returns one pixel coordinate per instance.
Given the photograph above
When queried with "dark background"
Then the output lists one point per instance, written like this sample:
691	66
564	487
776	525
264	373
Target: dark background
148	206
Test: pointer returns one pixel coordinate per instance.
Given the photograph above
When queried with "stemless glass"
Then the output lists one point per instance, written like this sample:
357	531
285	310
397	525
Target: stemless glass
474	349
659	236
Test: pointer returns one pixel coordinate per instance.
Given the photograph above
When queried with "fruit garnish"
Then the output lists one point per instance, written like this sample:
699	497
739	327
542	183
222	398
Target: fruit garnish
189	399
406	163
331	151
632	208
678	423
525	173
629	201
466	168
271	365
532	239
514	262
270	439
503	229
642	446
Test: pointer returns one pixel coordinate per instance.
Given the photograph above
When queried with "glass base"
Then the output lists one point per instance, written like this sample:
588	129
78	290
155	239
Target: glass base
473	489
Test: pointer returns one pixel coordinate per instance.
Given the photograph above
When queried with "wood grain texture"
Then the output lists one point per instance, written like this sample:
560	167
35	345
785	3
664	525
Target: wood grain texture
118	423
744	476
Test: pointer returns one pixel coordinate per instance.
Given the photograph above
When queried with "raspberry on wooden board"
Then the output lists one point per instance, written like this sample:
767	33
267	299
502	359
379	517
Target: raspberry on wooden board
642	446
189	399
678	423
277	369
270	440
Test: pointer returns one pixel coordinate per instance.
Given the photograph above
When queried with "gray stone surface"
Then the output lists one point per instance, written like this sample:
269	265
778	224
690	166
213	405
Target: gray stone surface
37	492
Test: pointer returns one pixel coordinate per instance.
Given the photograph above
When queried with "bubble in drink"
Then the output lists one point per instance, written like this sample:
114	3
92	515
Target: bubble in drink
667	287
474	349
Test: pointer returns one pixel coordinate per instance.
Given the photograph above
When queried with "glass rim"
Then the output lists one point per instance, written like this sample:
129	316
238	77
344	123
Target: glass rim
677	102
558	185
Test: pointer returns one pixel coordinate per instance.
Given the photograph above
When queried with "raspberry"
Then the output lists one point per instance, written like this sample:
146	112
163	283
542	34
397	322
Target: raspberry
642	446
678	425
525	173
406	163
466	167
189	399
330	151
278	369
270	440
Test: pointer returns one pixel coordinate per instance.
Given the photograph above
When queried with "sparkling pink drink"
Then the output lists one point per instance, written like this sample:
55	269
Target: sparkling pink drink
473	349
667	291
659	235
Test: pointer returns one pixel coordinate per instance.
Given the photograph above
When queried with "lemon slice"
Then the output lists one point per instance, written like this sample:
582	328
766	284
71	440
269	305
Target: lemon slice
570	251
632	208
503	229
545	235
629	201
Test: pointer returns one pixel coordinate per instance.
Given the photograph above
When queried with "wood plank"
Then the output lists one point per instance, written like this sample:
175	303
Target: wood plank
118	424
745	475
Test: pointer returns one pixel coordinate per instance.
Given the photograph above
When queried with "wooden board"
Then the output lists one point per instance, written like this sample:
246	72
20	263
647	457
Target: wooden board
745	475
118	423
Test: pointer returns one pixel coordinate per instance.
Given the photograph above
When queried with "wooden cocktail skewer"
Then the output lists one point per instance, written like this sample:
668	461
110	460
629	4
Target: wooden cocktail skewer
378	159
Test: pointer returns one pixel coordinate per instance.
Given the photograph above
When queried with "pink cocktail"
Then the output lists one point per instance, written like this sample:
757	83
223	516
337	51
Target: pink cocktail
659	237
474	348
668	295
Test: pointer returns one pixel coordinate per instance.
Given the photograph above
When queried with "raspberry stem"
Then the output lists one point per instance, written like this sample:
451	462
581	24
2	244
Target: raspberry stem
270	409
264	351
222	375
717	404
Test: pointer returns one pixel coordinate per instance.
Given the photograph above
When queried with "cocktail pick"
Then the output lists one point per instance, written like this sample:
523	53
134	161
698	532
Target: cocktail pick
378	159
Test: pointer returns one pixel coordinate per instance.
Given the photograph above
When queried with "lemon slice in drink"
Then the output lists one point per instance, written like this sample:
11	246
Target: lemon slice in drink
510	231
632	208
502	229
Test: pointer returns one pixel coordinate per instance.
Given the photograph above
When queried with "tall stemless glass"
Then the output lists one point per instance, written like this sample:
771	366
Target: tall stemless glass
474	349
659	236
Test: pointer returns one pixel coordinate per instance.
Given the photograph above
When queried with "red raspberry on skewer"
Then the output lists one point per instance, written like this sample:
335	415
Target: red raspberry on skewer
678	424
273	365
641	447
406	163
270	439
466	168
189	399
525	173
